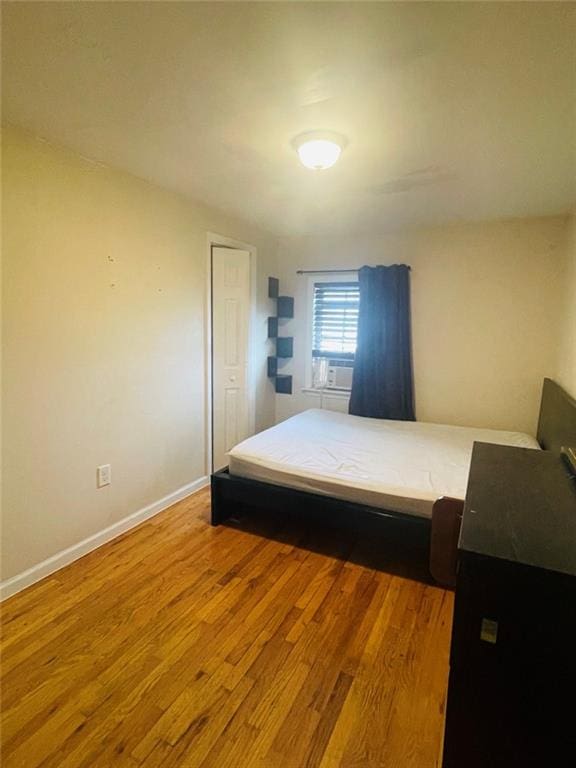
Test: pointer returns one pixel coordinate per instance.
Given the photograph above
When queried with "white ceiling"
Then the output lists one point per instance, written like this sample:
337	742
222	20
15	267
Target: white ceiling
452	111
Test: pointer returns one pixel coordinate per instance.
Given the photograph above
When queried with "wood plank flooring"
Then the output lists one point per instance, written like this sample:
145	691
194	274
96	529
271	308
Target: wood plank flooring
264	643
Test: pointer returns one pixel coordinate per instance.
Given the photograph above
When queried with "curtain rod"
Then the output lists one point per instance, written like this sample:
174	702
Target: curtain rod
327	271
324	271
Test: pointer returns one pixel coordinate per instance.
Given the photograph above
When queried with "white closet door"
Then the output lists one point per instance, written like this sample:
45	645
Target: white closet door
230	328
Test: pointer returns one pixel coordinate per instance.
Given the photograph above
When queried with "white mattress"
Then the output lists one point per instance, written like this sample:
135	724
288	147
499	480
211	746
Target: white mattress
397	465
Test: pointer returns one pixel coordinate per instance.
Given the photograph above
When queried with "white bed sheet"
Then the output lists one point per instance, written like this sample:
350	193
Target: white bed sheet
397	465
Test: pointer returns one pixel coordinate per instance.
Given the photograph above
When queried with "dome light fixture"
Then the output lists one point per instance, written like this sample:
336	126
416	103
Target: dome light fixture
319	150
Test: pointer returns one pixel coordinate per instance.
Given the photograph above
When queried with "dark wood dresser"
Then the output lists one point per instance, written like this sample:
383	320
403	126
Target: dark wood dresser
512	686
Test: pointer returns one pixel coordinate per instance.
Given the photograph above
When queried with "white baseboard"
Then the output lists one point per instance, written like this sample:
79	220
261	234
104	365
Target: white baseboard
46	567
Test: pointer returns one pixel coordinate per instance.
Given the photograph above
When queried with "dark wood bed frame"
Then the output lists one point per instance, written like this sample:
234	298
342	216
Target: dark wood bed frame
232	495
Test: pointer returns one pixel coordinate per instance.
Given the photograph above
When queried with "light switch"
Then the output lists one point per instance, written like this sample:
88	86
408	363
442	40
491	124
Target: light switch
103	475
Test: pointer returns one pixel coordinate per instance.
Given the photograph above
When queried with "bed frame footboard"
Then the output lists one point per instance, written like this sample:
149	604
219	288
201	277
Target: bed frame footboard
231	495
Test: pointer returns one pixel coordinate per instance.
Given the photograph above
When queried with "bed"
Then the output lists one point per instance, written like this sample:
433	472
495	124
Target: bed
350	468
399	466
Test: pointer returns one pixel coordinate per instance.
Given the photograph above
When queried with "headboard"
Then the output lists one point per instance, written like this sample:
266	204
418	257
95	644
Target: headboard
557	421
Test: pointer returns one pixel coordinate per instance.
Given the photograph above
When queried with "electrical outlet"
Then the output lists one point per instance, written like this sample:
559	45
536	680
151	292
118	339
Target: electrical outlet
103	475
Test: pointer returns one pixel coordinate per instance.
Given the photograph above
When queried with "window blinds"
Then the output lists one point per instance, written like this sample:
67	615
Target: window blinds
335	319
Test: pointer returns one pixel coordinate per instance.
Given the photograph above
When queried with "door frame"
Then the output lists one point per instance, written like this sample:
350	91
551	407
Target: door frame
220	241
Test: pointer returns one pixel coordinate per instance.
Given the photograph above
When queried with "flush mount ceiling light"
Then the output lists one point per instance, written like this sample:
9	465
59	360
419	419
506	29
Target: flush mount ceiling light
319	150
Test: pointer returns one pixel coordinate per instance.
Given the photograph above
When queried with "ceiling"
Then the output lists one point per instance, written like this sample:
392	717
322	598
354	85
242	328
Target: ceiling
460	111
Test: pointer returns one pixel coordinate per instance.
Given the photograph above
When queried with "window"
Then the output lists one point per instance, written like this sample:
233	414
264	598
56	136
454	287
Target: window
333	303
335	319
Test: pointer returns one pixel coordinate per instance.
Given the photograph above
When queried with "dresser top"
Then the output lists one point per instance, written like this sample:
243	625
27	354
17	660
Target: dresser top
521	507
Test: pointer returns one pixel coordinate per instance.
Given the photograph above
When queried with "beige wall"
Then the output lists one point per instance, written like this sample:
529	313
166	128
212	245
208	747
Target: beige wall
567	361
104	301
485	314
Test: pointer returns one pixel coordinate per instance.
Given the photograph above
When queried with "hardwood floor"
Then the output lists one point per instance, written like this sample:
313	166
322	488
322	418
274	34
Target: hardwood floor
185	645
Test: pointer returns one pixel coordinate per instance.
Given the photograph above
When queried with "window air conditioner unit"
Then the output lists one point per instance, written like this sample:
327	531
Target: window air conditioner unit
339	374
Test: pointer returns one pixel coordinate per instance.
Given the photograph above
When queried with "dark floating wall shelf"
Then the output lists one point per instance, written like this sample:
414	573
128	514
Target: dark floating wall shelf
272	367
284	344
273	287
284	384
285	306
272	327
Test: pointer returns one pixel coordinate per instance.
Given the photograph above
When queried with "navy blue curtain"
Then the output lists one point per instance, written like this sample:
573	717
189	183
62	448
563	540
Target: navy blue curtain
382	385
